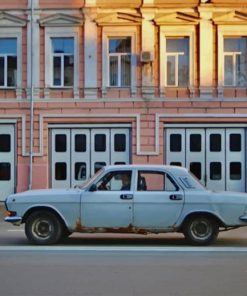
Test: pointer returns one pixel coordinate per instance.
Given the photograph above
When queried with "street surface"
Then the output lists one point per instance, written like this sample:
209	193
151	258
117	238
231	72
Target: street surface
122	265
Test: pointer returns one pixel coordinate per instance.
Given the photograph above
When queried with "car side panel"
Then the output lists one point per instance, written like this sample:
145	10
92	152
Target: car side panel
67	207
226	210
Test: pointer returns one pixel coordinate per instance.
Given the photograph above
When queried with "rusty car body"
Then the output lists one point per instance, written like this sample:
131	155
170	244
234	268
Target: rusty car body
158	199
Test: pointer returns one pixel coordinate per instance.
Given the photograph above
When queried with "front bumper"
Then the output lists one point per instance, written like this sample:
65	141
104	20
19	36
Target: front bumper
243	218
14	220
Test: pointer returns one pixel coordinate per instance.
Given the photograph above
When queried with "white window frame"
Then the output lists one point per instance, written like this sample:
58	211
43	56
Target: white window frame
118	32
17	34
60	32
176	32
233	55
119	56
61	56
176	55
227	31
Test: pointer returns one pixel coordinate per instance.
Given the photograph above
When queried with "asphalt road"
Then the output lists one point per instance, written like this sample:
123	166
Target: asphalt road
93	273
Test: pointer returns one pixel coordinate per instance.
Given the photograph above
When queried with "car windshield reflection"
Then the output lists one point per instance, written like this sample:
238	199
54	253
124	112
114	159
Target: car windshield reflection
92	179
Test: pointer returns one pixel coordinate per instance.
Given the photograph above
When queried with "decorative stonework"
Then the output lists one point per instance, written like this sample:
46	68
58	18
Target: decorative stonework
176	18
60	20
233	18
10	20
118	18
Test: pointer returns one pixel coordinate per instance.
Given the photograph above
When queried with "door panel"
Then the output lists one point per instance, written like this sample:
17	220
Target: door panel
195	153
111	204
106	209
175	143
60	169
235	159
7	160
215	158
120	146
215	155
80	156
76	153
157	202
100	149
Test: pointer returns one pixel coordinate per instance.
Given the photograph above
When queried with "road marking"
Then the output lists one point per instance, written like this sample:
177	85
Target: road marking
120	249
15	230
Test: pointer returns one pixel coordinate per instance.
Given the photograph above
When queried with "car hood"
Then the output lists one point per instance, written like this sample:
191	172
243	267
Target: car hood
45	195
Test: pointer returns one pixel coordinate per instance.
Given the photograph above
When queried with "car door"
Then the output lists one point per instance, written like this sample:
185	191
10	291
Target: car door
158	201
110	204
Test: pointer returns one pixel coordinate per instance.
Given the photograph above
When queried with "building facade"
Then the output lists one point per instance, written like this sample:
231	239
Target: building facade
86	83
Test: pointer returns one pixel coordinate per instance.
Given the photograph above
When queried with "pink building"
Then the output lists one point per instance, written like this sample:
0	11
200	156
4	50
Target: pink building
86	83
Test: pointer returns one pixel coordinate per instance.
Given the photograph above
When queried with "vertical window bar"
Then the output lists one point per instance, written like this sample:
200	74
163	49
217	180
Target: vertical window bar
119	71
234	69
62	70
176	69
5	70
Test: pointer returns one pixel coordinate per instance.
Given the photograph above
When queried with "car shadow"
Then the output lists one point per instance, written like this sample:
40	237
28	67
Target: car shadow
164	240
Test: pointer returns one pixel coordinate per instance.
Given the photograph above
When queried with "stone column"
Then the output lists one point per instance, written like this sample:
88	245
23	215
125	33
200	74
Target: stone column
148	45
36	51
206	53
90	53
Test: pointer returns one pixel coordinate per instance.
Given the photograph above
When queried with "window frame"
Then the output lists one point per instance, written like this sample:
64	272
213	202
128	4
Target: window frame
61	32
176	55
159	172
119	57
110	175
227	31
176	32
118	32
233	55
7	33
62	58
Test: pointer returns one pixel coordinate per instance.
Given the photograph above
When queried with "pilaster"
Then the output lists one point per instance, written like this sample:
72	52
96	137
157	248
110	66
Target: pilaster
90	56
206	53
148	44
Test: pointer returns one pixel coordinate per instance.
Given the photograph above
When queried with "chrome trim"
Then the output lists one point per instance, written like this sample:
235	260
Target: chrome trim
14	219
243	218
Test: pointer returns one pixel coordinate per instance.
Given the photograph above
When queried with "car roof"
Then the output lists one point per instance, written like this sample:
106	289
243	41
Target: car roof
170	168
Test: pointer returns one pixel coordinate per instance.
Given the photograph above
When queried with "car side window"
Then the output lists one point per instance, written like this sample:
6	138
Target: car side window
115	181
155	181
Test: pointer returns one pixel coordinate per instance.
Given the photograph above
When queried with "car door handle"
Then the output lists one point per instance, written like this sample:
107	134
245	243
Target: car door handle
176	197
126	196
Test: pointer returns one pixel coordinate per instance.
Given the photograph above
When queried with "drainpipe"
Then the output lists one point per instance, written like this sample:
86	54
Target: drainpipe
31	103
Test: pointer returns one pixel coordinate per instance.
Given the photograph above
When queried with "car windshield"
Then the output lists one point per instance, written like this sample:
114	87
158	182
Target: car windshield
92	179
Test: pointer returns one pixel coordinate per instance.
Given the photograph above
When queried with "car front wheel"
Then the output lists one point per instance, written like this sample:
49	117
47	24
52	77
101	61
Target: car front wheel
43	228
201	230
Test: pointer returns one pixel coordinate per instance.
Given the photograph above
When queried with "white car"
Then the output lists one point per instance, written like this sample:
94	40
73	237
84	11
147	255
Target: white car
129	199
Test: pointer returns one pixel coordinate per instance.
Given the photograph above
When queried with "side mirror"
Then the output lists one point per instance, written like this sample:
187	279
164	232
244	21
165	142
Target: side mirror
93	188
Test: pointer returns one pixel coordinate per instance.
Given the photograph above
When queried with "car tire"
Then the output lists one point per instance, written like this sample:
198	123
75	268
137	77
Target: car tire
43	228
201	230
65	234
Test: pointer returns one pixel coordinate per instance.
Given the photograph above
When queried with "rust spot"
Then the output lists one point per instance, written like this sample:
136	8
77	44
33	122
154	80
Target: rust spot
173	226
129	229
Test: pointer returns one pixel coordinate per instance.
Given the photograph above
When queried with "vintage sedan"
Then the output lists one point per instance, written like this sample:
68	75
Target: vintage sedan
138	199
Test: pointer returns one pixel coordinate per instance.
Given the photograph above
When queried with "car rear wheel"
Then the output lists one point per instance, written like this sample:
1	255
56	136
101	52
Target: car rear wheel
43	228
201	230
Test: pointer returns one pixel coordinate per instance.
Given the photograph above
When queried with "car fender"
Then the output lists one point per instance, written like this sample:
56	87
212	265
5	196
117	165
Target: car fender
36	207
184	216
